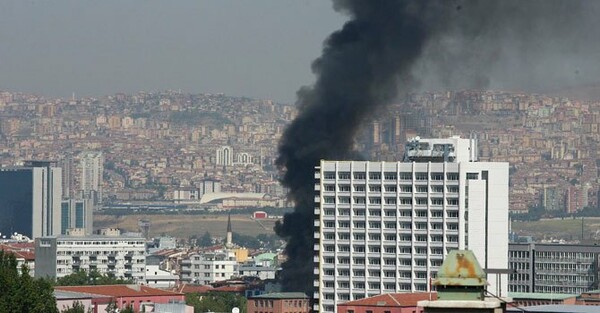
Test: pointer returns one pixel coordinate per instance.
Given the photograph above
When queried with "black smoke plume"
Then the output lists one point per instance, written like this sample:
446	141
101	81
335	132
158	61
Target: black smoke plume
392	46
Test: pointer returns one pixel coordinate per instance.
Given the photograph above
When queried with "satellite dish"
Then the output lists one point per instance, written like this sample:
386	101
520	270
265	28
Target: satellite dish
235	310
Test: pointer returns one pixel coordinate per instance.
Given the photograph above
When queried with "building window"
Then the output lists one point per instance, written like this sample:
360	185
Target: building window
344	188
360	175
390	188
374	175
360	200
474	176
420	176
452	176
389	176
374	188
329	175
437	176
374	213
329	187
407	189
406	201
406	176
344	200
344	175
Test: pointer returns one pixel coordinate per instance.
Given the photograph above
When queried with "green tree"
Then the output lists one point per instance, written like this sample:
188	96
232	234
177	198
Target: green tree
216	302
19	292
246	241
77	307
205	240
81	278
111	307
127	309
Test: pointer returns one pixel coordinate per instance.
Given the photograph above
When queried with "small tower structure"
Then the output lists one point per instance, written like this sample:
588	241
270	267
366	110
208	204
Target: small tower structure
229	236
461	287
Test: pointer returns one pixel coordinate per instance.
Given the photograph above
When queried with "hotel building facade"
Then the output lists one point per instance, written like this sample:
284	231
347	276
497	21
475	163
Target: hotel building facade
385	227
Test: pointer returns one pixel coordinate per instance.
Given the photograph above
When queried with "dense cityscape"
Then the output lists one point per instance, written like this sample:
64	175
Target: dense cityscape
178	152
271	156
154	144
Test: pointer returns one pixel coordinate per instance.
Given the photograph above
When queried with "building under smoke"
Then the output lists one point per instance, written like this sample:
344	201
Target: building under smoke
385	227
389	46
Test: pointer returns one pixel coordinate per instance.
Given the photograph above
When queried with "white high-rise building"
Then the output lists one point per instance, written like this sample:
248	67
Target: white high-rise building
225	156
92	167
383	227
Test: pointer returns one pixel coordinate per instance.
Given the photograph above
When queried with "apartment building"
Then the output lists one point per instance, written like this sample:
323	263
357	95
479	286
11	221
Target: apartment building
553	268
109	253
385	227
209	267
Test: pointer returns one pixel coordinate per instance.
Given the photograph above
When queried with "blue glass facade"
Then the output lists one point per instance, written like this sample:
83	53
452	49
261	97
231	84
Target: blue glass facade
16	201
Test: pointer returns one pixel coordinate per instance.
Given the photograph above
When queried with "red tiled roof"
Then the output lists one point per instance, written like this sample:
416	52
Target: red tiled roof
21	251
120	290
236	288
393	299
187	288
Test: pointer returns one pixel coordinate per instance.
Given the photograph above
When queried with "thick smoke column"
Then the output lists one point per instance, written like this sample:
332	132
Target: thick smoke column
359	70
389	46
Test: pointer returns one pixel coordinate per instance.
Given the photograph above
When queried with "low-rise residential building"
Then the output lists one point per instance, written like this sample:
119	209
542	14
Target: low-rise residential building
158	278
279	302
24	254
110	254
252	269
209	267
134	296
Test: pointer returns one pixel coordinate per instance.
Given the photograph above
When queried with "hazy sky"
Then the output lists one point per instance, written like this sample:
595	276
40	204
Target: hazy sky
255	48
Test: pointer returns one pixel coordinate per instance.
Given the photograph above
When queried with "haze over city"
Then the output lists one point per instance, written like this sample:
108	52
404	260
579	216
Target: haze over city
278	156
260	49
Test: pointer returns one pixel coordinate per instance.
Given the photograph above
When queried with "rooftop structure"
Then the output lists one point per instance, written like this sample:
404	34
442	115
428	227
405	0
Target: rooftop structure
461	287
454	149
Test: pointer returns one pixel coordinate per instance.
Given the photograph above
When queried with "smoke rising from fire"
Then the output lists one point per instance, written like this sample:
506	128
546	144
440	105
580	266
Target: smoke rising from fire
392	46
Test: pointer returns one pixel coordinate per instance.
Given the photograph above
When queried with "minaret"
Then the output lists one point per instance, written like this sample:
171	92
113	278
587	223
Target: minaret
228	242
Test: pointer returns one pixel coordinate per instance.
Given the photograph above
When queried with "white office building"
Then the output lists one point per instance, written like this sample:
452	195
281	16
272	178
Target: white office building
384	227
110	254
209	267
